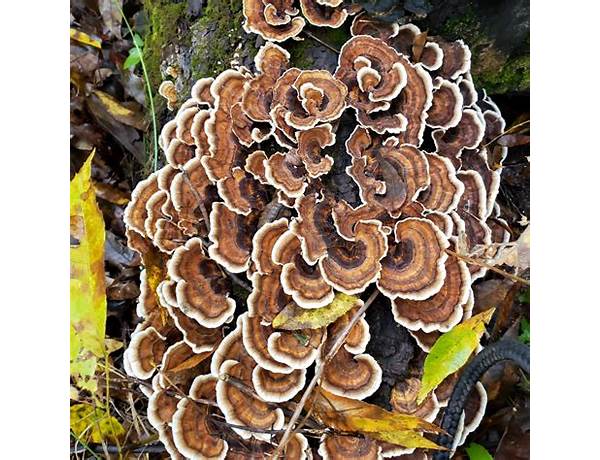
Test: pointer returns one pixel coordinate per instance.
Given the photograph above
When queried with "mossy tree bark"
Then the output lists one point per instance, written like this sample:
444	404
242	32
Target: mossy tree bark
191	39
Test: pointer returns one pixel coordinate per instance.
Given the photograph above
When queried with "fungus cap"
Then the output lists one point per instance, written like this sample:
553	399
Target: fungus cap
240	408
414	266
202	289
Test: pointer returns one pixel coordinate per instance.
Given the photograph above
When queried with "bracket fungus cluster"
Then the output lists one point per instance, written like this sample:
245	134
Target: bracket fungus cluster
246	192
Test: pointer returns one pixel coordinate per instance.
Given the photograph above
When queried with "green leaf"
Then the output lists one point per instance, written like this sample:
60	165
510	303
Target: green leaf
138	41
451	351
87	284
524	328
293	317
133	59
478	452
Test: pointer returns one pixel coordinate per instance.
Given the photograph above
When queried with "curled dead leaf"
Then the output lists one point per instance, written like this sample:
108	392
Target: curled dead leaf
293	317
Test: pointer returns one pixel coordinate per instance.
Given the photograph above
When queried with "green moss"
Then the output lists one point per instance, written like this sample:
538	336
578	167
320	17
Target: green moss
334	37
513	75
299	56
466	27
163	16
215	38
491	68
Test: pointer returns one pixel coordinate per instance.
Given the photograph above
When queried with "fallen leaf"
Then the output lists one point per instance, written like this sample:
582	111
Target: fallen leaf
191	362
111	193
478	452
112	345
119	290
119	255
127	136
93	424
514	444
517	254
293	317
88	298
134	86
121	113
155	263
350	415
419	45
513	140
82	63
451	351
110	10
84	38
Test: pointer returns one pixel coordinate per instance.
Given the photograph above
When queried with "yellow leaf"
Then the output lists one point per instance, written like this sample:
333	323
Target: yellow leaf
84	38
408	439
119	112
93	424
155	263
293	317
451	351
350	415
87	285
112	345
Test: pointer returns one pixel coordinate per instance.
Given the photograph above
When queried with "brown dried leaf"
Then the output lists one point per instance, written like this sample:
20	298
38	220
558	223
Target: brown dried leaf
513	140
191	362
517	254
111	193
111	15
120	112
120	290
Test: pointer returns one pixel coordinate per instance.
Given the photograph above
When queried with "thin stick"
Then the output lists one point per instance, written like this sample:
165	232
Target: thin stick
508	131
97	448
318	372
318	40
237	280
198	199
243	387
471	260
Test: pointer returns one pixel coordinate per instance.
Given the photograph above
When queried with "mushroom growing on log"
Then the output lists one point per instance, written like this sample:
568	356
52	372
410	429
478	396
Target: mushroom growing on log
250	140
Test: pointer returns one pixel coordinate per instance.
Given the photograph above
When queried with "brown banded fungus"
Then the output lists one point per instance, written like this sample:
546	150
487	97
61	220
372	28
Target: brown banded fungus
201	289
351	372
250	194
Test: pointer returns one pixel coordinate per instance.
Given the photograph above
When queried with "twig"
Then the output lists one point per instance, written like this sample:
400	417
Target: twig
168	392
237	280
186	177
318	40
84	446
473	261
242	387
341	338
508	131
97	448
